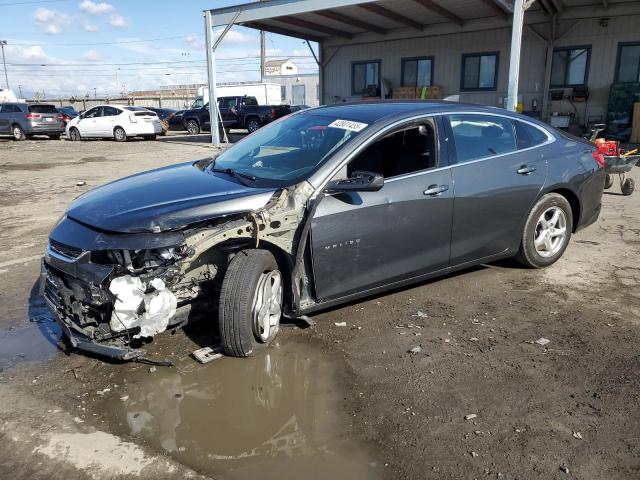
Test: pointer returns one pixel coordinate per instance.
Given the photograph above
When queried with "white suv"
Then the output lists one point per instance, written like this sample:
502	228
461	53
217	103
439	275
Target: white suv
111	121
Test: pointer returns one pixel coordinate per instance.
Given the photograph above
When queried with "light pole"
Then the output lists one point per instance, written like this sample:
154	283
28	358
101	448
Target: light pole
6	77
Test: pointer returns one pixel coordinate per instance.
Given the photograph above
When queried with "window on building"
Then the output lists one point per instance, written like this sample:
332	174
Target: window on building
283	92
479	71
570	66
628	69
417	72
478	136
365	75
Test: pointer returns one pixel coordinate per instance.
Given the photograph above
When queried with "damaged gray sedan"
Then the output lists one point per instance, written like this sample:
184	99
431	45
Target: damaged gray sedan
319	208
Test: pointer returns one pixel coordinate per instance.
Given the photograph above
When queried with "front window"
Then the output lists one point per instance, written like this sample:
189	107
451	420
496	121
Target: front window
417	72
286	152
479	71
569	67
628	63
365	78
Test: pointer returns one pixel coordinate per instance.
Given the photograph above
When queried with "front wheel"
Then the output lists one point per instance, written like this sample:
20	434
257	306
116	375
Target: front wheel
628	186
253	124
193	127
250	303
608	182
119	134
74	134
18	133
547	232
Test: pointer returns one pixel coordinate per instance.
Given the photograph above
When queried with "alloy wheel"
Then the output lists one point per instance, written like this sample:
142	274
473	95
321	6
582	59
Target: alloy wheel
267	305
551	232
18	134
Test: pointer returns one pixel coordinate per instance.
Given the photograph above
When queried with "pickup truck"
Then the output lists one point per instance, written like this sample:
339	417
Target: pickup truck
242	112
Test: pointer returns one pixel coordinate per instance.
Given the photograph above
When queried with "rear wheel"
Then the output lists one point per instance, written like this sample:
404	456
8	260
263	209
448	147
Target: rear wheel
18	133
608	182
119	134
547	232
250	303
628	186
74	134
193	127
253	124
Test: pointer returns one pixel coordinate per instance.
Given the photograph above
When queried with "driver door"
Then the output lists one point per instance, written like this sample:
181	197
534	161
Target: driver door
362	240
88	125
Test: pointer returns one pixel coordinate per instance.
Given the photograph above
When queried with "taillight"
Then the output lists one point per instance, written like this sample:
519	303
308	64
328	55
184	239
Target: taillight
32	116
273	112
599	158
60	116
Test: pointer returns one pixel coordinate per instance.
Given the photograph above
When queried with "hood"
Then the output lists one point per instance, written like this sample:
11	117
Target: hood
165	199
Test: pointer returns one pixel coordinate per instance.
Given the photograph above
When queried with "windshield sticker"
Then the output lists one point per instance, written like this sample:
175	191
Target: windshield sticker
349	125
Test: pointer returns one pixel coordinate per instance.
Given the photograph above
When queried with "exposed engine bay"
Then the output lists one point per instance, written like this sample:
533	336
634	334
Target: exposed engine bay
109	290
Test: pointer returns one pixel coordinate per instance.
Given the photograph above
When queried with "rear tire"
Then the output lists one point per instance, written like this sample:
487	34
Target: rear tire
18	133
119	134
547	232
193	127
74	135
608	182
628	186
250	303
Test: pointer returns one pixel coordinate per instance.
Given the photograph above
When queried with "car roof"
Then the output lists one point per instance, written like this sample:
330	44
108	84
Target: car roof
371	112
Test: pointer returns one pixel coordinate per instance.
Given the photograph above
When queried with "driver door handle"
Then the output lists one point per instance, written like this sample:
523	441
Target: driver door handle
436	190
526	170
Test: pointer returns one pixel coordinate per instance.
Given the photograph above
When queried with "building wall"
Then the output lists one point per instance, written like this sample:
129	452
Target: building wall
310	82
448	49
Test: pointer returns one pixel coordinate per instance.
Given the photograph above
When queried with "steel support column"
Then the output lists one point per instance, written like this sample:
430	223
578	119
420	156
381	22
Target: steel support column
211	74
514	59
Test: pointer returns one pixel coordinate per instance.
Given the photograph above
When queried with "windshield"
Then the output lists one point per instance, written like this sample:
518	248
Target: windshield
286	152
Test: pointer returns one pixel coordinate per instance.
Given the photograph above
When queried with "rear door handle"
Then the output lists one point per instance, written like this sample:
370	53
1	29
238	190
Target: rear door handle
435	190
526	170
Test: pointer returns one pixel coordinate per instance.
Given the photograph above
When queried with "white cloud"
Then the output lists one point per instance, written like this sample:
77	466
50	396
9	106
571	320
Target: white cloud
91	55
52	21
118	21
96	8
194	42
20	54
89	27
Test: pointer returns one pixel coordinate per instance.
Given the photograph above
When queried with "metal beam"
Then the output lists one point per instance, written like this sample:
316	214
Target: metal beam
546	6
298	22
385	12
434	7
514	58
281	31
211	74
354	22
496	8
312	52
225	31
256	11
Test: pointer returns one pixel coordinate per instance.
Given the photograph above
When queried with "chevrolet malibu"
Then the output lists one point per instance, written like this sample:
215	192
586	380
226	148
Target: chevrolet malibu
322	207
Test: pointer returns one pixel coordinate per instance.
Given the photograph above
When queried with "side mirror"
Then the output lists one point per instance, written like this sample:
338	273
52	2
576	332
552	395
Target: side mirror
360	181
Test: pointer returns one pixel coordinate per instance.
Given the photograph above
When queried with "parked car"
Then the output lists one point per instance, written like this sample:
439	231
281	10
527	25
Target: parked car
68	114
175	121
114	121
314	210
164	114
23	120
297	108
236	112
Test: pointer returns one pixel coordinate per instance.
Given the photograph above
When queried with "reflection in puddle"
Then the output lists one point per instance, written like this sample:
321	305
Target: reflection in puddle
267	416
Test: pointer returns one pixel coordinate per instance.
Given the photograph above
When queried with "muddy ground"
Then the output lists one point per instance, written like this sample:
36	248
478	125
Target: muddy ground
329	401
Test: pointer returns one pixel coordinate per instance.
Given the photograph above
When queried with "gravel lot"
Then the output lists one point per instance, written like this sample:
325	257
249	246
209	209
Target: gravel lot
565	409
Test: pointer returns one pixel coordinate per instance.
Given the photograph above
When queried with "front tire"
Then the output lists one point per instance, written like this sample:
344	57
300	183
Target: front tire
119	134
193	127
74	134
628	186
253	124
608	182
250	303
547	232
18	133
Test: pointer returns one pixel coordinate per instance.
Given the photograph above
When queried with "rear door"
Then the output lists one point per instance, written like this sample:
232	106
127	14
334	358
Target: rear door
497	179
5	116
106	122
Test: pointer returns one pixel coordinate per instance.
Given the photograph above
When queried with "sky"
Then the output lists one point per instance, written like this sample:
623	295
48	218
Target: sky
60	48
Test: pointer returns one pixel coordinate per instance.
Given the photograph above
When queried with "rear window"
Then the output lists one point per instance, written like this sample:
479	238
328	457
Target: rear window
136	109
251	101
477	136
528	136
146	113
42	109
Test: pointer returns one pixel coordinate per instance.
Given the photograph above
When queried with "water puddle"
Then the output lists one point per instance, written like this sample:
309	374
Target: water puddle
263	417
34	343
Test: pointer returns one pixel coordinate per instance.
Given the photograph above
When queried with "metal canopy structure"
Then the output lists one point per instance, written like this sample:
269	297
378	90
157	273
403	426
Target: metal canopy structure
329	21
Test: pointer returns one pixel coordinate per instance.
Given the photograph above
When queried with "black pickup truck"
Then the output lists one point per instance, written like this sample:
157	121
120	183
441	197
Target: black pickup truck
236	112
